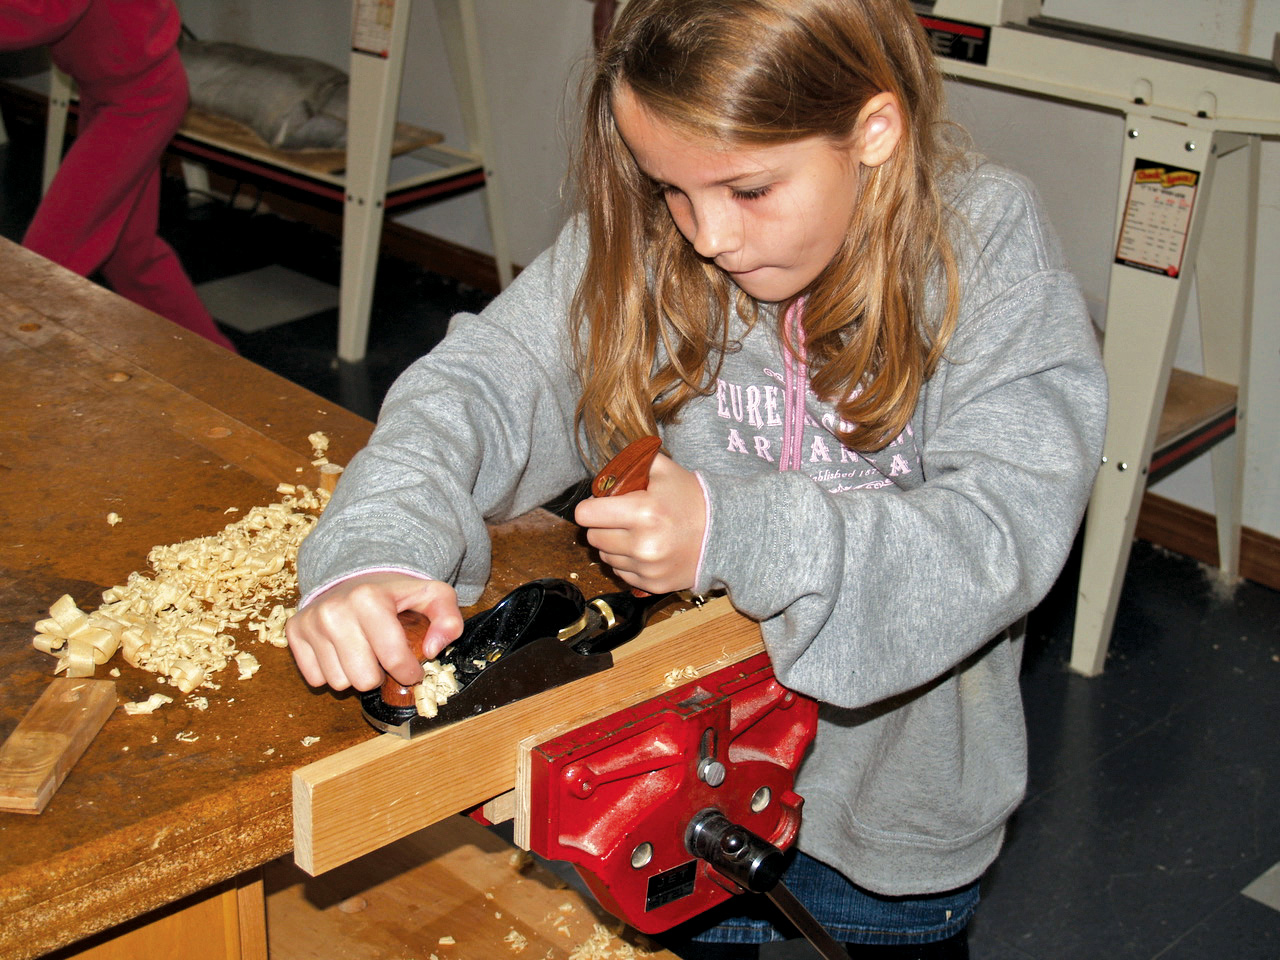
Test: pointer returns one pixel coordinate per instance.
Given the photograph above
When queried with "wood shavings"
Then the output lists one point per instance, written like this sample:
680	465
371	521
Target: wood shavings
680	675
248	665
604	945
595	947
197	703
177	619
113	518
438	684
310	741
149	705
270	629
78	642
186	736
516	940
446	941
319	447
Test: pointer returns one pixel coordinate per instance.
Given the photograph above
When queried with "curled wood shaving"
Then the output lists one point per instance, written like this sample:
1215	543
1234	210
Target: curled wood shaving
319	446
680	675
517	941
177	619
248	665
78	642
438	684
149	705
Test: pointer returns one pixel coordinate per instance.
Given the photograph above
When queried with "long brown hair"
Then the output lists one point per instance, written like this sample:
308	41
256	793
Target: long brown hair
761	72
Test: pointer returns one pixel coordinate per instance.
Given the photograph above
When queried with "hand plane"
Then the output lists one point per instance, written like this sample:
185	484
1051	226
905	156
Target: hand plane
544	633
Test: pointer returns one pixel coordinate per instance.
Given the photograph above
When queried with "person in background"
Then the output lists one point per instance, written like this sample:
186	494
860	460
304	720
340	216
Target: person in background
102	211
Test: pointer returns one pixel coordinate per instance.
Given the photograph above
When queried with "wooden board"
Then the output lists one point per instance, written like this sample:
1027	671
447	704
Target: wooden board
453	880
1190	401
230	135
363	798
49	740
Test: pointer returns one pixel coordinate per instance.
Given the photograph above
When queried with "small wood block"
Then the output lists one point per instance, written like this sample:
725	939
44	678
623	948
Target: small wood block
49	740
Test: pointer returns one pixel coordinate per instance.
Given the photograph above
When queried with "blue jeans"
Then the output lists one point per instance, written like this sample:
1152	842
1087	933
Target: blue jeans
849	913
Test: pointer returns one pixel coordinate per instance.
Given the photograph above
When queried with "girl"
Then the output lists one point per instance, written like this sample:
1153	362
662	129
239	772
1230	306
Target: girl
882	404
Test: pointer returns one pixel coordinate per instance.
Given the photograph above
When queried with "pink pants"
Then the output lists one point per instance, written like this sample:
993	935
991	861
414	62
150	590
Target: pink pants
102	210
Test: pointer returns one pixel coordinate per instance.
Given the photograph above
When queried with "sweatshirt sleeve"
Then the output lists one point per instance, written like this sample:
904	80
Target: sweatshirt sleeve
479	429
866	594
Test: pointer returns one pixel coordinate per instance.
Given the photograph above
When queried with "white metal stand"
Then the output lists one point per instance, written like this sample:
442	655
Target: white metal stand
1145	312
375	97
1194	117
55	131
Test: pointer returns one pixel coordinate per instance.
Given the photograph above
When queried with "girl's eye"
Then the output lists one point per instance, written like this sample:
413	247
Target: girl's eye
755	193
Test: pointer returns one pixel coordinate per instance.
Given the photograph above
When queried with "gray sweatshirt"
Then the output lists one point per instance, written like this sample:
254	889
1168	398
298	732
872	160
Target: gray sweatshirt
889	586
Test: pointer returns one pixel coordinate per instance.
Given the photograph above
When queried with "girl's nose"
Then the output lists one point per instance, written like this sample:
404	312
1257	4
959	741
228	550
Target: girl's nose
716	231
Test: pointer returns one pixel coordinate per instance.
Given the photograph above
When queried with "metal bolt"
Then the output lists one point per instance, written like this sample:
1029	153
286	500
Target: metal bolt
1122	466
711	772
1133	134
641	855
1191	145
760	799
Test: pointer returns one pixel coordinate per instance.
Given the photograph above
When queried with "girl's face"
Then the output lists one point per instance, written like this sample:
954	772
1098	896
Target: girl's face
770	217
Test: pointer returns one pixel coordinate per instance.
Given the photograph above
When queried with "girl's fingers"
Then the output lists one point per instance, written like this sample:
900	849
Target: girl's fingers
305	658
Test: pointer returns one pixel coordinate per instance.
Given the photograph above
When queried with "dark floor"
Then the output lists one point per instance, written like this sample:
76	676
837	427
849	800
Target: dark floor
1153	795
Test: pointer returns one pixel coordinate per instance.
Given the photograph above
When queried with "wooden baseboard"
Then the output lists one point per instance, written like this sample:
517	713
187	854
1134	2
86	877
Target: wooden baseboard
1194	533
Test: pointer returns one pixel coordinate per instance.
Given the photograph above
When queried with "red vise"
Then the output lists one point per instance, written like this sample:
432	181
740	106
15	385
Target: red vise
615	797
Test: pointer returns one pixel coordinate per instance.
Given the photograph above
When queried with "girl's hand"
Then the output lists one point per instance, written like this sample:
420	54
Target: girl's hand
349	635
652	538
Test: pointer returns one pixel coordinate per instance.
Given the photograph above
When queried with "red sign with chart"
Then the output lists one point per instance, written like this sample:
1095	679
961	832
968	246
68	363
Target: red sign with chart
1157	217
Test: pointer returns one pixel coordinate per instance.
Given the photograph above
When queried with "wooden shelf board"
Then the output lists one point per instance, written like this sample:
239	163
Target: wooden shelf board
1198	413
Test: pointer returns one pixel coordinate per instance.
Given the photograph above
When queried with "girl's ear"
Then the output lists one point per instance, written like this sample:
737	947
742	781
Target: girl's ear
880	127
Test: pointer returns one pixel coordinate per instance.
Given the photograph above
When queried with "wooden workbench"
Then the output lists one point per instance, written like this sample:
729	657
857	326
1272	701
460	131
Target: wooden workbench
106	408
